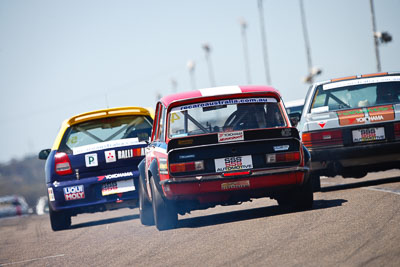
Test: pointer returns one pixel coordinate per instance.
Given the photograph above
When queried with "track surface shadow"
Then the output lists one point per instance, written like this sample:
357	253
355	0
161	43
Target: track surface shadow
105	221
250	214
360	184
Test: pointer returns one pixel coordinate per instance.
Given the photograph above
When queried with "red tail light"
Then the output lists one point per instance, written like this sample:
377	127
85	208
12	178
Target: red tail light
62	164
187	166
325	138
283	157
397	130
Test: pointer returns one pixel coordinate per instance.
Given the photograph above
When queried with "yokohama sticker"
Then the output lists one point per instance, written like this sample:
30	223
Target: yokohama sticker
359	115
230	136
115	175
74	192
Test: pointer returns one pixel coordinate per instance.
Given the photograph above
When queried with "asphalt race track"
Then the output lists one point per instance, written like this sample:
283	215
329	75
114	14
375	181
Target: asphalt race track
354	222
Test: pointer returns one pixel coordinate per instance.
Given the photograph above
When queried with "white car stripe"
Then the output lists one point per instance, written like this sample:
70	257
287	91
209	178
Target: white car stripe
223	90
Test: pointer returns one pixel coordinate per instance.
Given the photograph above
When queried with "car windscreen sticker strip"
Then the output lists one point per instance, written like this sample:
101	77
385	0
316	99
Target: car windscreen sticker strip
106	145
361	81
225	102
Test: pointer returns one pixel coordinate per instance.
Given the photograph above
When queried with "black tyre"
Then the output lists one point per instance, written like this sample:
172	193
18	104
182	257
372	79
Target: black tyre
304	196
165	215
299	198
59	220
145	209
316	182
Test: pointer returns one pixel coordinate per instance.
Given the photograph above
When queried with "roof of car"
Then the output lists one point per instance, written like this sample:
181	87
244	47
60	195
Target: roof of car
371	75
218	91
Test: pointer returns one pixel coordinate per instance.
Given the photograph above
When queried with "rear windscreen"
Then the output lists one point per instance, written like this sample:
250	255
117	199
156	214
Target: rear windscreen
349	96
106	129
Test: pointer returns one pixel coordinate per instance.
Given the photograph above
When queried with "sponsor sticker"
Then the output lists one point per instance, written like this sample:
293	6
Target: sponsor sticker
225	102
281	148
51	194
115	175
106	145
370	134
74	192
362	115
91	160
235	185
117	187
322	124
233	163
130	153
110	156
230	136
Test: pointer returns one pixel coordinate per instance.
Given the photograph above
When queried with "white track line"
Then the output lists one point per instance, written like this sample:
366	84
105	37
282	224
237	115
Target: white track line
36	259
393	191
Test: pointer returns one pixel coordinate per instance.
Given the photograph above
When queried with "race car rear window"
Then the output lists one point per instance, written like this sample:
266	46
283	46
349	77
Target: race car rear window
356	96
225	115
106	129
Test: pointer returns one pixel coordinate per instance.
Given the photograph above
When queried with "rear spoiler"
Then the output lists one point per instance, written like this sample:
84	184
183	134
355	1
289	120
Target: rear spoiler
198	140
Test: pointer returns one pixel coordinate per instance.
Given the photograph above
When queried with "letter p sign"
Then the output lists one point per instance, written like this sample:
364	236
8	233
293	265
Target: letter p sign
91	160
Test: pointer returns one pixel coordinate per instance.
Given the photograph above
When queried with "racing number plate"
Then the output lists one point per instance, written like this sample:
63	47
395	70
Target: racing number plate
117	187
369	134
233	163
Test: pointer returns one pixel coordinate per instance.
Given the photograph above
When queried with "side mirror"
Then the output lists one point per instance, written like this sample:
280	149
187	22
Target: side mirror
43	154
295	118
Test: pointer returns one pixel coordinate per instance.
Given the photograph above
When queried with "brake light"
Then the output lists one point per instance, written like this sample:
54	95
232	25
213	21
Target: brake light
397	130
283	157
325	138
62	164
187	166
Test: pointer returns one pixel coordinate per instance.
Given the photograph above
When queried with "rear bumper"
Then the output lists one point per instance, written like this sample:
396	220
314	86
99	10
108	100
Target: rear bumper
91	198
370	157
194	188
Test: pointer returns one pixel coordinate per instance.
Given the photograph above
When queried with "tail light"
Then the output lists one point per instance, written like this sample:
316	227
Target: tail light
187	166
325	138
137	152
62	164
283	157
397	130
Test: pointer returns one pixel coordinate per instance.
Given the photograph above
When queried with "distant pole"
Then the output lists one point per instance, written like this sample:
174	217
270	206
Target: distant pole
174	84
207	50
306	40
264	41
190	65
378	60
243	27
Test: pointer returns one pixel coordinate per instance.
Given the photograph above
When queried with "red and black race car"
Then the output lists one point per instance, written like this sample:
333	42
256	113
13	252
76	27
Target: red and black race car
223	145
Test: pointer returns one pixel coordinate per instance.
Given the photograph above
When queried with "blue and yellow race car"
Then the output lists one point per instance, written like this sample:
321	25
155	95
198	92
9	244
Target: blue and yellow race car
92	165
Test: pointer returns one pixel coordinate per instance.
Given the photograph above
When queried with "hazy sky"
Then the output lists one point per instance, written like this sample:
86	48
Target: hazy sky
60	58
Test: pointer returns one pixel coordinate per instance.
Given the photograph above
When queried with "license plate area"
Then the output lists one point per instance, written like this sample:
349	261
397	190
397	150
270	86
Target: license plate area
236	163
116	187
368	134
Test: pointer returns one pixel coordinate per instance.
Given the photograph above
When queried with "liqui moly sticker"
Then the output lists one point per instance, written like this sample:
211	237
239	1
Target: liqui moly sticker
230	136
74	192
